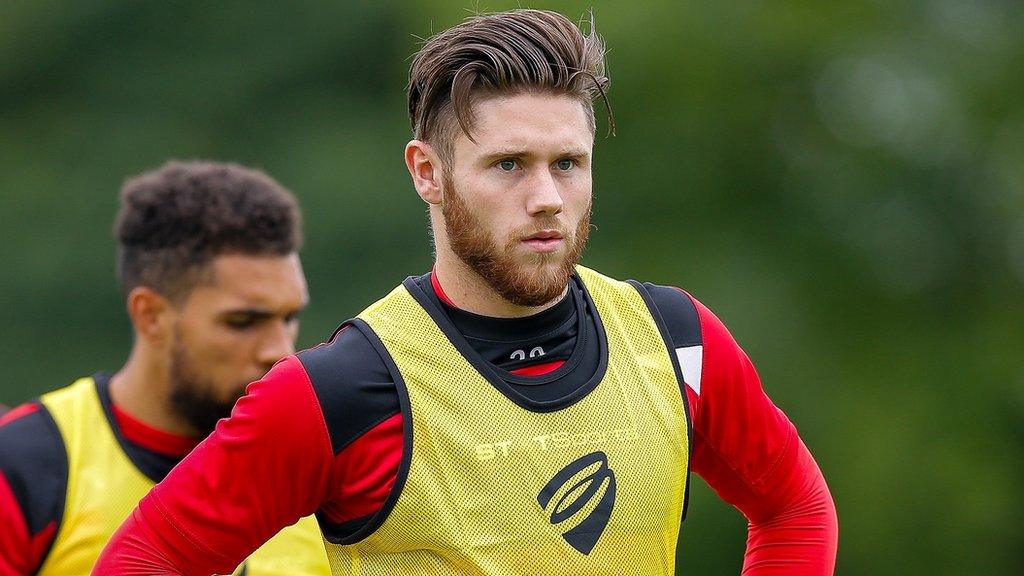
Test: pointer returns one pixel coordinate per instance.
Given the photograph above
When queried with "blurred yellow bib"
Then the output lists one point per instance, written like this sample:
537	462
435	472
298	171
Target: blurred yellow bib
104	487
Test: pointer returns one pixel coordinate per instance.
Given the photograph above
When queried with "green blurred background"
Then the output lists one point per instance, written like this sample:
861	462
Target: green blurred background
842	182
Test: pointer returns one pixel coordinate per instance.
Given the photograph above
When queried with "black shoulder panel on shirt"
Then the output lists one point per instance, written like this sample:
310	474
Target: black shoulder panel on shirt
679	313
353	384
35	464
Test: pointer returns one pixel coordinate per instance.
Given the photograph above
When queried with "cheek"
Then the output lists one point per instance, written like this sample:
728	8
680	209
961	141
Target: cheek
220	355
582	183
225	351
488	210
230	368
576	198
487	199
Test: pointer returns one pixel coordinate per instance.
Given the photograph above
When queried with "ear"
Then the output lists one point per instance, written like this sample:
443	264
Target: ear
151	314
425	168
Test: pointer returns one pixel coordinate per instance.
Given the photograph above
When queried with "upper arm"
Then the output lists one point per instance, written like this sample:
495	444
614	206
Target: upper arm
359	401
33	482
737	418
749	452
741	439
347	372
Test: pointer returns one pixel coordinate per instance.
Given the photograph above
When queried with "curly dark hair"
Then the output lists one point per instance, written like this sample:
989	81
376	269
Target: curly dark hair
175	220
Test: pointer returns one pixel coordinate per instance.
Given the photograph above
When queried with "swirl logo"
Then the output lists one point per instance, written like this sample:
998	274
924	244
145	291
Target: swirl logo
584	536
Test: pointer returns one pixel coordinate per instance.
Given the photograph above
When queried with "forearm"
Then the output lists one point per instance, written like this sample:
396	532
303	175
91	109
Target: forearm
148	544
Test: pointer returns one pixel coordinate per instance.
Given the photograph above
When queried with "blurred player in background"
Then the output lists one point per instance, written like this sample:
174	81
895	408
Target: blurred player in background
208	262
509	412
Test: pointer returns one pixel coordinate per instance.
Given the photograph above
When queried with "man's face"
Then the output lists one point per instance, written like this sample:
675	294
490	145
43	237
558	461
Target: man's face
231	330
516	202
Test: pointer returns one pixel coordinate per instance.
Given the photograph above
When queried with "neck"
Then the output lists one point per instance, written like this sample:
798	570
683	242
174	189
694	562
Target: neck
141	389
469	292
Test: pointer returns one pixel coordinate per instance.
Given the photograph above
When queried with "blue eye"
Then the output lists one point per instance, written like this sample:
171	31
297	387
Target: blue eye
564	164
507	165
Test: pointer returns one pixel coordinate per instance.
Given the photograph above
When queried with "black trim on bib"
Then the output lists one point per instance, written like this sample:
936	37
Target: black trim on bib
680	314
153	465
377	519
491	374
659	321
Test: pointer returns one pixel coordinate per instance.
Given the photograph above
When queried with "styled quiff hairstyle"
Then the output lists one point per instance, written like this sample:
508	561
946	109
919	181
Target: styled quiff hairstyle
506	53
175	220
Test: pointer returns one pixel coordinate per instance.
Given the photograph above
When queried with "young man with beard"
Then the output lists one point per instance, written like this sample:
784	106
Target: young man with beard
208	262
509	412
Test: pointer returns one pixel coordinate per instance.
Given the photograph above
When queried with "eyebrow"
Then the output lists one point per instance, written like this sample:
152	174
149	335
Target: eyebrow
259	313
569	151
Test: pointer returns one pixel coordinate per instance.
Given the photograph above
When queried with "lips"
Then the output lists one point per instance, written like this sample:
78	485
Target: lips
545	235
544	241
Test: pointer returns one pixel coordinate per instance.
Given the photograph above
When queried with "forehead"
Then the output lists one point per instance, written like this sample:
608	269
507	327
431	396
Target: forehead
530	120
264	281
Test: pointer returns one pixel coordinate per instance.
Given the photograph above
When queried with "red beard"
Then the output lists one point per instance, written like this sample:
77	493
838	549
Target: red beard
539	280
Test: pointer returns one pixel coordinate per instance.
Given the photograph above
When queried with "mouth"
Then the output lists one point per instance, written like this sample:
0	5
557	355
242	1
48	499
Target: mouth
545	241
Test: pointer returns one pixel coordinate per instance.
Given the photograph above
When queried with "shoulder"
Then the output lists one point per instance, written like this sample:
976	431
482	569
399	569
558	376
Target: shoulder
702	343
674	310
679	312
353	384
34	463
690	322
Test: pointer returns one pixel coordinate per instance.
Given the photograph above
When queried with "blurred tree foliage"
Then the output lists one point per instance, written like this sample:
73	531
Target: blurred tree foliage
842	182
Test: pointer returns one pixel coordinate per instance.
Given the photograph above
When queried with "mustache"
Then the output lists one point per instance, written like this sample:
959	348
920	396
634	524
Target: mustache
540	226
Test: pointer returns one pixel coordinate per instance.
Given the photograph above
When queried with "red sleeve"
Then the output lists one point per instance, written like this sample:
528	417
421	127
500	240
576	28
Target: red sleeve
262	469
21	550
16	554
751	455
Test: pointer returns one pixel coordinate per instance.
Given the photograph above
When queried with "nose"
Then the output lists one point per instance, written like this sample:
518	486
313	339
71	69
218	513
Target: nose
545	198
276	344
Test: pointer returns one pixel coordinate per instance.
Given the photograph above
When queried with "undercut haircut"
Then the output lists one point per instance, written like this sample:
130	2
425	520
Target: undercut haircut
501	54
175	220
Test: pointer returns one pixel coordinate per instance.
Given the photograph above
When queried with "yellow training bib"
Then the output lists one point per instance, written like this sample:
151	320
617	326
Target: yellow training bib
492	484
